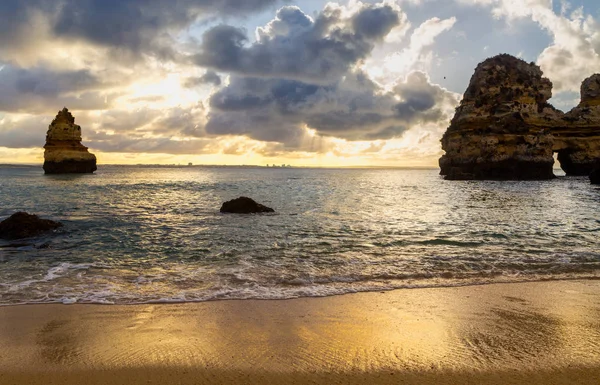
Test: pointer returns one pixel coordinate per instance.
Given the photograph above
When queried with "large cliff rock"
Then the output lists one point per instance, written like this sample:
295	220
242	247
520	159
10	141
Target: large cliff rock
64	152
504	127
501	128
577	141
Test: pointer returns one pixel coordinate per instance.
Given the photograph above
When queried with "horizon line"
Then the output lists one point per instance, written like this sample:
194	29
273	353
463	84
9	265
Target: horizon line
235	165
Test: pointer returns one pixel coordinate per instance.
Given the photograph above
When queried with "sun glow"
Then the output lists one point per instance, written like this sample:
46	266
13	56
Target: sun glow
165	93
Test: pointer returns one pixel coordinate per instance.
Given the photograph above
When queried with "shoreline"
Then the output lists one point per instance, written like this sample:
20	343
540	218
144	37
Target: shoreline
367	291
533	332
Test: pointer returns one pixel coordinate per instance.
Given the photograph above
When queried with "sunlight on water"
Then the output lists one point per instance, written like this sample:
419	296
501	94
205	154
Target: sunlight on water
140	234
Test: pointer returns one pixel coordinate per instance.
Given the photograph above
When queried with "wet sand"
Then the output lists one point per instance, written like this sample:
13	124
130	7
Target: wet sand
527	333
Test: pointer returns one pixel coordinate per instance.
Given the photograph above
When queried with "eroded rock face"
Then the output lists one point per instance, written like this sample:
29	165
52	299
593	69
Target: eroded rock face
22	225
501	128
64	153
577	141
504	128
244	205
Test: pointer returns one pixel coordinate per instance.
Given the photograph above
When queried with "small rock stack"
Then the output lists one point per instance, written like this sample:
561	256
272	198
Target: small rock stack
64	153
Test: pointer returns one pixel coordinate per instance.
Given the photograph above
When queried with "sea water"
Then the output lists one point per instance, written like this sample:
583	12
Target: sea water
139	234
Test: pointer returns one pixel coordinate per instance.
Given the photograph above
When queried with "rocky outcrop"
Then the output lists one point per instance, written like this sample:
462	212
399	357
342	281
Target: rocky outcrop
504	127
64	153
244	205
22	225
501	127
577	141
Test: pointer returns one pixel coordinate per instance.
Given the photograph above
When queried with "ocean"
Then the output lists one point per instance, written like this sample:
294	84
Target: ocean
142	234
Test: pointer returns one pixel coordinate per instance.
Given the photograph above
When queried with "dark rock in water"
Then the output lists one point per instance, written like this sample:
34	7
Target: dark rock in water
244	205
64	153
70	167
457	173
23	225
595	176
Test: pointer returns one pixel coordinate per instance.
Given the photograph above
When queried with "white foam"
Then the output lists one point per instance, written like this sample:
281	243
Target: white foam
62	269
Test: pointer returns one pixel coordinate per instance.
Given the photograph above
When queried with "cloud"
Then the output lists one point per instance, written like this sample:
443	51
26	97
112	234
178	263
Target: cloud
24	131
210	77
354	108
294	89
575	50
42	90
299	84
417	55
294	46
141	26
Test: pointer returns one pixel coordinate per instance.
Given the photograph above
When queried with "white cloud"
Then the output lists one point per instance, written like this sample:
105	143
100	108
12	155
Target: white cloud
574	53
418	55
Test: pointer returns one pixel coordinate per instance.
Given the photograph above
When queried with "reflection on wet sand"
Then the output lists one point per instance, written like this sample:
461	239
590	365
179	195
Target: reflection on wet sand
507	333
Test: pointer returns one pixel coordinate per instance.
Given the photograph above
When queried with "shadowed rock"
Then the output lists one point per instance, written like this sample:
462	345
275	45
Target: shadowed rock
22	225
64	153
244	205
595	176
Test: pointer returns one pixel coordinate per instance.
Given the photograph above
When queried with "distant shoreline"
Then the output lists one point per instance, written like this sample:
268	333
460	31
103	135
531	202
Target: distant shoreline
30	165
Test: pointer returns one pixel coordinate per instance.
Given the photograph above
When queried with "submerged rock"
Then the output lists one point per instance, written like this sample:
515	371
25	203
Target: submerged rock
64	153
23	225
244	205
504	127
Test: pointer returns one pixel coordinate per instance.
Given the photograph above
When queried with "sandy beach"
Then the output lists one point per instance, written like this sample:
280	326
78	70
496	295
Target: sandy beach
524	333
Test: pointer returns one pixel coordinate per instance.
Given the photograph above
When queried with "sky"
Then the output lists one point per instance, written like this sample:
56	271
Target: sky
305	83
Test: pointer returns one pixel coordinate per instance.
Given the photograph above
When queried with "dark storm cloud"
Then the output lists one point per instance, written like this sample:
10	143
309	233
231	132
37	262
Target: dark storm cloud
419	98
15	16
142	26
210	77
354	108
375	23
295	46
42	90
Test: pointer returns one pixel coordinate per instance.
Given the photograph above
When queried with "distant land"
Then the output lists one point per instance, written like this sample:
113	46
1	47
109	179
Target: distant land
140	165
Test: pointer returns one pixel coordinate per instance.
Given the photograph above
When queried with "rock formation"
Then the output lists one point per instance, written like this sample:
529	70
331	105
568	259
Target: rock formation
577	141
504	127
64	153
501	128
244	205
22	225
